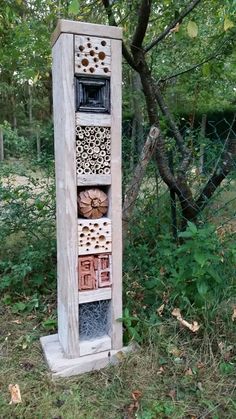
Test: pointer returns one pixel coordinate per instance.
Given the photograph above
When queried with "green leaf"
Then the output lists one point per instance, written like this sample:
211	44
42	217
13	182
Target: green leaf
192	227
226	368
200	258
206	69
74	7
228	24
185	234
202	288
192	29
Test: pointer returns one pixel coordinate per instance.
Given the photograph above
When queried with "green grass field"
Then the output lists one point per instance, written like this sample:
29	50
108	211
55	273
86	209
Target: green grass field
178	376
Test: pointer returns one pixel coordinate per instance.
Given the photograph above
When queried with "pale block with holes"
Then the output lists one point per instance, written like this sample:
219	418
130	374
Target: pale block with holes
92	55
94	236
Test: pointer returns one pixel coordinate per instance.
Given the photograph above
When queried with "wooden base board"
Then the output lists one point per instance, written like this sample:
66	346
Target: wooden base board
61	366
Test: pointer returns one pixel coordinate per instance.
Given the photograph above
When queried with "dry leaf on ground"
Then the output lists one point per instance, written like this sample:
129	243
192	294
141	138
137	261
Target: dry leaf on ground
188	372
136	394
160	310
194	327
172	395
15	393
234	314
160	371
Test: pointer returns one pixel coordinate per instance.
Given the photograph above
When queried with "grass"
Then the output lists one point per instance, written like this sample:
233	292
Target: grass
174	372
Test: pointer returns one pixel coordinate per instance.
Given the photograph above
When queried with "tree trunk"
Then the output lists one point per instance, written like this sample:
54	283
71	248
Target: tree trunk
38	144
1	145
135	183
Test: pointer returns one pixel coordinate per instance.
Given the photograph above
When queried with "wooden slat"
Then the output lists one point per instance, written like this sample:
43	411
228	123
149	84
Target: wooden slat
82	28
66	198
93	180
92	120
94	295
115	194
94	346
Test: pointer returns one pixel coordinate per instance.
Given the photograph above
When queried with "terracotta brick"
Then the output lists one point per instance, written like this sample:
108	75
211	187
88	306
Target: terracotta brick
94	272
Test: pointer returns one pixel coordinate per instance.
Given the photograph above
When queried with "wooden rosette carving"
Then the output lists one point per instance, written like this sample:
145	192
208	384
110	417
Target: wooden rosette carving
92	203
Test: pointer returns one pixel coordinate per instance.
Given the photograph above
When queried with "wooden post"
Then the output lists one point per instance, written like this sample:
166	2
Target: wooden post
87	126
1	145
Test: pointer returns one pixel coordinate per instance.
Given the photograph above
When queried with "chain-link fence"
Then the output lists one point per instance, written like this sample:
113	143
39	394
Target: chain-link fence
210	177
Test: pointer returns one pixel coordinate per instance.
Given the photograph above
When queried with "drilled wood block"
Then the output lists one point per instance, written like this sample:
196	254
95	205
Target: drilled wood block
92	55
94	236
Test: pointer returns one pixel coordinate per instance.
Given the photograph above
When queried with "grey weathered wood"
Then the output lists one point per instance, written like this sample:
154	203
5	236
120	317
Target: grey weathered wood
66	197
61	366
94	295
94	346
60	348
1	145
93	180
115	193
93	120
82	28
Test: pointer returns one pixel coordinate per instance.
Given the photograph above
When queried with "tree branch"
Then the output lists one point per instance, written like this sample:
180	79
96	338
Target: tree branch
134	186
112	22
185	152
143	19
211	57
182	15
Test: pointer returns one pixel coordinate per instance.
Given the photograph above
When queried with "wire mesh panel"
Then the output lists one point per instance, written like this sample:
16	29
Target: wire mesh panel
94	319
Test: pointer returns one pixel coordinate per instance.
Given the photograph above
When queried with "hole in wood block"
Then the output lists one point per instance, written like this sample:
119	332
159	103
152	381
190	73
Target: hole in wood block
101	55
103	43
85	62
94	319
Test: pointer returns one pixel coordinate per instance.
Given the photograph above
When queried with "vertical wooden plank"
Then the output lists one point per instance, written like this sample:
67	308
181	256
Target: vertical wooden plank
1	145
65	152
115	194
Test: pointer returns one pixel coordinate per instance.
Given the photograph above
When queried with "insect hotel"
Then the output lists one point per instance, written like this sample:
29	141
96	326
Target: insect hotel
87	126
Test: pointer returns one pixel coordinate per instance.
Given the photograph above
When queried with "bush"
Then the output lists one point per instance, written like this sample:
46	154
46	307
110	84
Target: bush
27	234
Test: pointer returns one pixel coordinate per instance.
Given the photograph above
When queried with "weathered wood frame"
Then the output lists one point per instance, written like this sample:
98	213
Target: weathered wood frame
66	344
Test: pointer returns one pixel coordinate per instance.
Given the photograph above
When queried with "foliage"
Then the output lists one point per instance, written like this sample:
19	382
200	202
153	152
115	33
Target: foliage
195	274
28	232
14	144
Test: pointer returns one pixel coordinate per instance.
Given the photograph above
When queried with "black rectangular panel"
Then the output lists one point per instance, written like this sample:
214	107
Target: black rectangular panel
92	94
